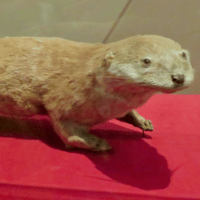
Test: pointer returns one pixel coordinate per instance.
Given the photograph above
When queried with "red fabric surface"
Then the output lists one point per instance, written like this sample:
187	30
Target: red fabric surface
165	164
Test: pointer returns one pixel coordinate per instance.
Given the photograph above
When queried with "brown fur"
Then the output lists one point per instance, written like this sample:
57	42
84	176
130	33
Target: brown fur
78	84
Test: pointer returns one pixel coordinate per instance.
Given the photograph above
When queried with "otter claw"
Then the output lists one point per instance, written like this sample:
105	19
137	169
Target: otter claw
143	134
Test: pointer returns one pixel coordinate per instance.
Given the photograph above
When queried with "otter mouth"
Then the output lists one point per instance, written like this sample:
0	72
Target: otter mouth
167	90
174	89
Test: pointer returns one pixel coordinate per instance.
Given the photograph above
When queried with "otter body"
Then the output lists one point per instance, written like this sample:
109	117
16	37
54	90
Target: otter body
80	85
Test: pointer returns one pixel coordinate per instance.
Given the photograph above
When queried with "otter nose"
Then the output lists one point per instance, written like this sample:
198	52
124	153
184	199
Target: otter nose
178	78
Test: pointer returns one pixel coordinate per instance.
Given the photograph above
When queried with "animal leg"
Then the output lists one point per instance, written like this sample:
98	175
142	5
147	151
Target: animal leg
137	120
76	135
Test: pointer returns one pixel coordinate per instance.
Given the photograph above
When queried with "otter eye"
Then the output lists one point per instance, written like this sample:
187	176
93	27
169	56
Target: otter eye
146	61
184	55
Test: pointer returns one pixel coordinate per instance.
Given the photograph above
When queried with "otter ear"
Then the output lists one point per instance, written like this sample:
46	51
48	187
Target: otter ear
108	59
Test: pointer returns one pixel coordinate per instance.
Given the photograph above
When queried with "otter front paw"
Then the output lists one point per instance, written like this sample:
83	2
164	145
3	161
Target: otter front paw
137	120
146	125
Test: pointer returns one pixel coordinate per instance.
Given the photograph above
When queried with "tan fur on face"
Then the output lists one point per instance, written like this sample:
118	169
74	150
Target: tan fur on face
166	60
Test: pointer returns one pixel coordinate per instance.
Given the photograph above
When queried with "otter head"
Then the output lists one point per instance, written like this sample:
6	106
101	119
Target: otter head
150	61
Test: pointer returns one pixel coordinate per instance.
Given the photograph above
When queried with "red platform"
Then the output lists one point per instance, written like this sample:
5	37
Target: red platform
164	165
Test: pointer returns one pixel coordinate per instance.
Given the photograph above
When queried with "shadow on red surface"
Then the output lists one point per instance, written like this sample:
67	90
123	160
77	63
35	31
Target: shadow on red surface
132	162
